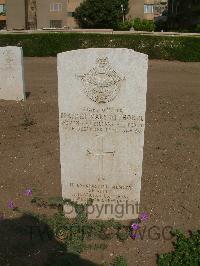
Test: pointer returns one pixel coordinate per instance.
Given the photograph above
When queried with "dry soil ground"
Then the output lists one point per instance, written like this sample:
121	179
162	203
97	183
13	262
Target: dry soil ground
29	158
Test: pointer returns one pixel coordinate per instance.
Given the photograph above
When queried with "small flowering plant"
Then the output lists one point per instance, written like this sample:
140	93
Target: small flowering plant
134	236
135	227
143	217
11	205
28	192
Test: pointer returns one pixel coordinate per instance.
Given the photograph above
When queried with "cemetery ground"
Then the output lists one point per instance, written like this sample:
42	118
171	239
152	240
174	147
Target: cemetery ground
29	153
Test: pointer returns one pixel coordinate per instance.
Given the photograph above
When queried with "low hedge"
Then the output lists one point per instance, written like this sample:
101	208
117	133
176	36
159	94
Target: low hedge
157	47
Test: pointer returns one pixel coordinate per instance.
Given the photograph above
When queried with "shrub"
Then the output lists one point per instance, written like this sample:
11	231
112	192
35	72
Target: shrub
157	47
186	251
143	25
198	28
127	25
160	25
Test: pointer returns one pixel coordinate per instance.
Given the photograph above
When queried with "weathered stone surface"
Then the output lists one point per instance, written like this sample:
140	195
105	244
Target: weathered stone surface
102	104
11	73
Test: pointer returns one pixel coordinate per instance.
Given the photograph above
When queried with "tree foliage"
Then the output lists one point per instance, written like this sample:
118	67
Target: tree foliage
183	15
101	13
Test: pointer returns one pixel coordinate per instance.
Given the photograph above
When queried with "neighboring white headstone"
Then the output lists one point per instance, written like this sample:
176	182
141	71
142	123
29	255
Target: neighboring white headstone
11	73
102	104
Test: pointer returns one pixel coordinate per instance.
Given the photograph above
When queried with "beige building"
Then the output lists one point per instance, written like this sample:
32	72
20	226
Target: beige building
146	9
51	14
15	14
2	14
41	14
159	7
72	5
136	9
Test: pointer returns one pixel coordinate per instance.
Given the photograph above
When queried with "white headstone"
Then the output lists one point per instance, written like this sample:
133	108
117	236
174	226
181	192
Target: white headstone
11	73
102	104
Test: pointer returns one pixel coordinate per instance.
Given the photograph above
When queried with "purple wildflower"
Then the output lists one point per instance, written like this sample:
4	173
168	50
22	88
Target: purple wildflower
135	227
11	205
144	217
28	192
134	236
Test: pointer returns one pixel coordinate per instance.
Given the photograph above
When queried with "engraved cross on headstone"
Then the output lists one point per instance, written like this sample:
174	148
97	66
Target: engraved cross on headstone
101	154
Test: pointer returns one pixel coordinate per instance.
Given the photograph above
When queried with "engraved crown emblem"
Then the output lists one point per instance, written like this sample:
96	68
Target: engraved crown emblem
102	83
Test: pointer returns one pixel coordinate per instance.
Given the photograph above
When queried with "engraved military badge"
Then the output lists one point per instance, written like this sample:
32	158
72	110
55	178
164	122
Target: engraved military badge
102	83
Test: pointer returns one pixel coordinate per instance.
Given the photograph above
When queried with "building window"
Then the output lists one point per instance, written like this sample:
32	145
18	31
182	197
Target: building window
148	9
55	7
55	23
70	14
2	8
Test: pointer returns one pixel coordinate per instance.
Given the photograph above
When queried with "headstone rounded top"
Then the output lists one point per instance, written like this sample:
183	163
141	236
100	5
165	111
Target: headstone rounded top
109	50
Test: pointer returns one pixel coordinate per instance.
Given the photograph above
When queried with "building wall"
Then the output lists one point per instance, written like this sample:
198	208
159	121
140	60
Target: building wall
21	13
44	15
15	14
2	2
2	17
71	7
150	15
159	7
136	9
